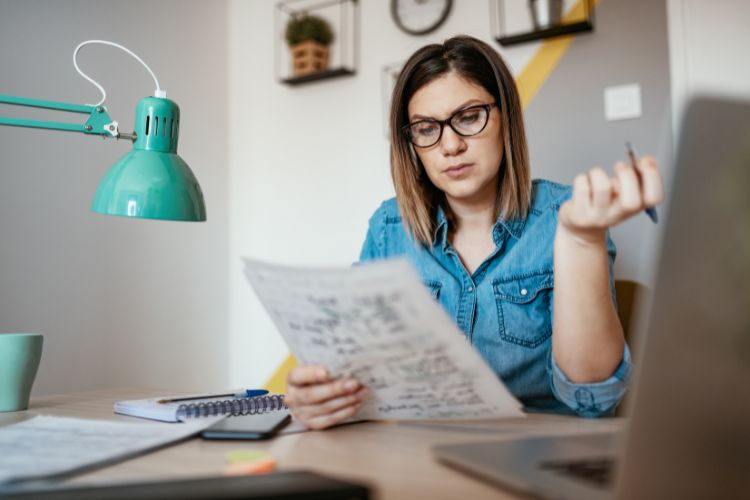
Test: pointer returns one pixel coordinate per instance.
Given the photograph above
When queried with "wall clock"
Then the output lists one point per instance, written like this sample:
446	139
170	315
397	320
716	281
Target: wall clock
419	17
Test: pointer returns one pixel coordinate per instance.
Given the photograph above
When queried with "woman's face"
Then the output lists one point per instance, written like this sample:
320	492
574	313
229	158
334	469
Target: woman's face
464	168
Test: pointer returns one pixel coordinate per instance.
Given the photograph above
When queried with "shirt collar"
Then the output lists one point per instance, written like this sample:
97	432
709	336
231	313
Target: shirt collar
514	227
441	230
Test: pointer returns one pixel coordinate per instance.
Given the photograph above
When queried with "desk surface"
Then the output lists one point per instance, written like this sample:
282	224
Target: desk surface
392	457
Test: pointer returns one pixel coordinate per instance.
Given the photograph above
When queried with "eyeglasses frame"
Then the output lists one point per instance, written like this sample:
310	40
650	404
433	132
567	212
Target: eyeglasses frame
487	108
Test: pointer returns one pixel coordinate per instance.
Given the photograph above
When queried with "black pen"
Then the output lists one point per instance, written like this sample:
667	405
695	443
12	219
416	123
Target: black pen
650	211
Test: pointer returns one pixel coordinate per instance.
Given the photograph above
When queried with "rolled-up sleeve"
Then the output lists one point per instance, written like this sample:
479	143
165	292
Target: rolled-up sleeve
595	399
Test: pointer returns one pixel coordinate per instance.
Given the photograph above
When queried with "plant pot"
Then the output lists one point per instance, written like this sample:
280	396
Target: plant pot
309	57
545	13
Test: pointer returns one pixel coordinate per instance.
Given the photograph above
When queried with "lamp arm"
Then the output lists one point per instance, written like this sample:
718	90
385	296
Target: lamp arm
98	122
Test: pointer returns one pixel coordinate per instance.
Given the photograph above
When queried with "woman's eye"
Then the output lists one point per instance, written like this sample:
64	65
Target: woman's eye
469	117
426	129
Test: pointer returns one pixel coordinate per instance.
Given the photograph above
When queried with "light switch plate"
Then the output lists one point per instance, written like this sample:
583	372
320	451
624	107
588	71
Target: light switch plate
622	102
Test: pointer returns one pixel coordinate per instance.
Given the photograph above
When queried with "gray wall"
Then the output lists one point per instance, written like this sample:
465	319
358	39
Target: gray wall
565	121
317	163
121	302
130	302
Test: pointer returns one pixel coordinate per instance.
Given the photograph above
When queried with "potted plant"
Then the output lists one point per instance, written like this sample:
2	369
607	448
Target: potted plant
308	37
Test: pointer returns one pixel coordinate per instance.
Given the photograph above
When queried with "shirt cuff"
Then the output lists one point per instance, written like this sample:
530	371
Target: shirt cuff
592	399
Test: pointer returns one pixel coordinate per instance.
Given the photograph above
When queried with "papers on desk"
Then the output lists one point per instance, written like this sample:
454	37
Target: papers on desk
46	446
377	323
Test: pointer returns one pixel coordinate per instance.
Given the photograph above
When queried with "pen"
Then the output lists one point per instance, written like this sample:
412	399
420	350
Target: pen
650	211
247	393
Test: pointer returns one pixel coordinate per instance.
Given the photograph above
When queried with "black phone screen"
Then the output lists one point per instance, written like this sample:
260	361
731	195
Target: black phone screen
262	426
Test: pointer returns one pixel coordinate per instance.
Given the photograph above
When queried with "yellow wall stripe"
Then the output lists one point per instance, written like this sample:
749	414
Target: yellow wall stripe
536	72
529	81
277	382
533	76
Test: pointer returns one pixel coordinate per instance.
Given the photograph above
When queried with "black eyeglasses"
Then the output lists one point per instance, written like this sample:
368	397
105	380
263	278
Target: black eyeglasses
465	122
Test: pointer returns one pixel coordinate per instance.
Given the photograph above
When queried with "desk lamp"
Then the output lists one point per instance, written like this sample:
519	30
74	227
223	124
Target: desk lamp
151	181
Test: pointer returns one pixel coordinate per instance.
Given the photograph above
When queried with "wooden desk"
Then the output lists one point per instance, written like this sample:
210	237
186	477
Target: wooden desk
393	458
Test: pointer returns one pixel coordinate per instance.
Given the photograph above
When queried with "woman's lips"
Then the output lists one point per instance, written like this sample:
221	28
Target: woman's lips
458	170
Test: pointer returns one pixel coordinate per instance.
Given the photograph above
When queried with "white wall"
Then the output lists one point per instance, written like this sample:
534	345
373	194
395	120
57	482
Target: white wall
121	302
309	164
291	174
709	44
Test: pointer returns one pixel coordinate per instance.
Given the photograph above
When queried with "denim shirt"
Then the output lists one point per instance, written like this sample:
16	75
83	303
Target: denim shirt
504	308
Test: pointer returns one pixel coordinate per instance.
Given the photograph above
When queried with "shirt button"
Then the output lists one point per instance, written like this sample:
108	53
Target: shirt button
524	292
470	289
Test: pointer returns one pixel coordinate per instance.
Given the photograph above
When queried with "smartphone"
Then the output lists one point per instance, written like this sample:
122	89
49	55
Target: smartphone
261	426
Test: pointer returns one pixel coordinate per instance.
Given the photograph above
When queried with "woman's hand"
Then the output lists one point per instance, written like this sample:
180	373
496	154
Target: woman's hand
319	400
600	202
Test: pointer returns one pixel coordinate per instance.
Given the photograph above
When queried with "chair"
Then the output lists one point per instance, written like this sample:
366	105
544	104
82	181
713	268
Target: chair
627	292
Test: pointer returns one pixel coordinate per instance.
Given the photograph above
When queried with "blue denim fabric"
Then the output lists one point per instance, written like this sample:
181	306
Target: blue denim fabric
505	308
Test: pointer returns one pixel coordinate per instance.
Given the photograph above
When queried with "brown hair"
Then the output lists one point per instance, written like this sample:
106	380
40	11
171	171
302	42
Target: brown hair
473	59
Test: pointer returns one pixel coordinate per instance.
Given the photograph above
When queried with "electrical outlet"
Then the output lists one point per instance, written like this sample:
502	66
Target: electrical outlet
622	102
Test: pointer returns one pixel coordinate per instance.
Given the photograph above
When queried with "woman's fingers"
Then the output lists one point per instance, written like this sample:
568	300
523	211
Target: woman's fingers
330	412
318	400
307	375
320	393
333	405
325	421
653	184
582	190
600	201
601	189
629	189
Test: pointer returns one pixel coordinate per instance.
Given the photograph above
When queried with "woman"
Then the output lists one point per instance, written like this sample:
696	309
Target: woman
492	245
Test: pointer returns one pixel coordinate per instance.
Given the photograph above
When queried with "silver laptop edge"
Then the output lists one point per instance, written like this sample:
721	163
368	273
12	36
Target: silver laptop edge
688	434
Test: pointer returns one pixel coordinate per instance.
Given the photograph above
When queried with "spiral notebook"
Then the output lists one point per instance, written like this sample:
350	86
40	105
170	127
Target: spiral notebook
184	408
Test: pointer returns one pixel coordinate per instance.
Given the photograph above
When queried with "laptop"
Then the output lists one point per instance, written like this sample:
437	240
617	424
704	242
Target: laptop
688	429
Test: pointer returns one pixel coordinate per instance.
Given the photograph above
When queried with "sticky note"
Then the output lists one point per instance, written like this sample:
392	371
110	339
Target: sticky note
249	462
236	456
261	466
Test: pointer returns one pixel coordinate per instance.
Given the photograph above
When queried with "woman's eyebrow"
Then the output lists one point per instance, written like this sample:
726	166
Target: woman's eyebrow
457	108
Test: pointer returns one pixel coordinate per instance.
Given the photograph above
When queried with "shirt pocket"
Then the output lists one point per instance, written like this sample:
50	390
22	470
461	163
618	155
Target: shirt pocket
434	288
524	308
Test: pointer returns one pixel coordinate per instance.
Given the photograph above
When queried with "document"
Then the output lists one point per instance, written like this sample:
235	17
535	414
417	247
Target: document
46	446
377	322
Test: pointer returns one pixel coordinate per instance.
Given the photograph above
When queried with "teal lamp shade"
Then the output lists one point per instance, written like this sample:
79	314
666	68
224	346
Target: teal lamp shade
152	181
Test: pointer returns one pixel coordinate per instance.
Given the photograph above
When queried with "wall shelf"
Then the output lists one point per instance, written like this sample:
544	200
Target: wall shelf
561	30
528	26
320	75
342	16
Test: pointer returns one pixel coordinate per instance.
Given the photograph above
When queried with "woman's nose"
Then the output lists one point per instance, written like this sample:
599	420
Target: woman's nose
451	143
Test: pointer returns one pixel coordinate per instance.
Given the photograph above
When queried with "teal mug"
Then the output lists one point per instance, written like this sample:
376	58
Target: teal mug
20	354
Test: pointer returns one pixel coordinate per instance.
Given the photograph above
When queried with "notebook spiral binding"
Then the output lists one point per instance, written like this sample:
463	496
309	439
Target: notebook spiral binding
232	407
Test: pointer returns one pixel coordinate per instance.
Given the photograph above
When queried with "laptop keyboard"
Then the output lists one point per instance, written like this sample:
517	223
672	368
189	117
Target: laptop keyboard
598	471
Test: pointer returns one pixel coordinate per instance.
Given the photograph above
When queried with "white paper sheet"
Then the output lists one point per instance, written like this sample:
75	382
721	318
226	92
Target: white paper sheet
46	445
377	322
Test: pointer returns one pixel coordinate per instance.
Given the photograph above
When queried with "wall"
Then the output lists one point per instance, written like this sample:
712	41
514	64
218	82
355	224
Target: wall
309	164
567	129
290	174
121	302
708	42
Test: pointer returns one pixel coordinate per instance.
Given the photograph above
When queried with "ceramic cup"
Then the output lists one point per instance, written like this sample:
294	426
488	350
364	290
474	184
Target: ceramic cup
20	354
